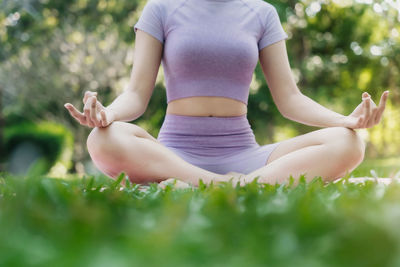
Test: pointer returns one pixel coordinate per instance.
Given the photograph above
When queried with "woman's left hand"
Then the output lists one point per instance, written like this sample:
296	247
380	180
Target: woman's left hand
366	114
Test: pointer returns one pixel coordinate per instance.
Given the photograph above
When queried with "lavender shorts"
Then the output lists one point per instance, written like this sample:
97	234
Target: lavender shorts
217	144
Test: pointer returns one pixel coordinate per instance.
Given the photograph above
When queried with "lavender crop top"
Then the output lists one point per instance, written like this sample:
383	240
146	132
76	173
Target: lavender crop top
210	47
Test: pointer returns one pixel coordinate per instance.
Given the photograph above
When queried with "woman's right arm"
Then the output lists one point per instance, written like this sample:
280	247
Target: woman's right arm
132	103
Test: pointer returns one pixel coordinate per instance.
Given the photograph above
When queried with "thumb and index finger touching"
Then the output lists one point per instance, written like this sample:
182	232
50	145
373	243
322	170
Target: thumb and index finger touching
80	116
104	120
85	98
377	110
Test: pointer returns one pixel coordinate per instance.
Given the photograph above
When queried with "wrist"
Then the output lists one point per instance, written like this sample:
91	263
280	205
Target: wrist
348	122
111	114
342	121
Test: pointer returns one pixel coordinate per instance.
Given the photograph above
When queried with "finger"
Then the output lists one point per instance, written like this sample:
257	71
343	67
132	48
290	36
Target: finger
379	117
99	105
93	113
367	111
86	111
103	118
383	100
372	102
359	123
372	119
87	95
75	113
382	106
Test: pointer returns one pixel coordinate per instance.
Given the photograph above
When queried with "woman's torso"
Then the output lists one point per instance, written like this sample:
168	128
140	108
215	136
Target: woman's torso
210	53
210	106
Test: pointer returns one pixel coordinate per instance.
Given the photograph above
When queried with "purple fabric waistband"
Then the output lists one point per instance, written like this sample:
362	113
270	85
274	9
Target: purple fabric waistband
207	135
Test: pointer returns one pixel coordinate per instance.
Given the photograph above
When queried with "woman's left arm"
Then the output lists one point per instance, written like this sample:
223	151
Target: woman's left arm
295	106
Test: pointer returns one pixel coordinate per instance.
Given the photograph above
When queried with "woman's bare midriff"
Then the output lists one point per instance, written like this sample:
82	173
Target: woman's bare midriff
210	106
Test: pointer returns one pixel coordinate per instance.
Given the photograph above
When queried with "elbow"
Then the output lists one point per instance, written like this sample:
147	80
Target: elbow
137	115
283	110
290	106
287	114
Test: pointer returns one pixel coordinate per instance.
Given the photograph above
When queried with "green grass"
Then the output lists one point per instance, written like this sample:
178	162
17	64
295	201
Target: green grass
95	222
382	167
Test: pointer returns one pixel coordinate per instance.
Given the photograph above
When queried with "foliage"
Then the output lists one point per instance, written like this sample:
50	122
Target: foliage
53	51
94	221
382	167
337	50
54	139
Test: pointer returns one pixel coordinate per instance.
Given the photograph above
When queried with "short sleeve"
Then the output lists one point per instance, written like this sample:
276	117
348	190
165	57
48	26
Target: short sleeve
273	30
151	20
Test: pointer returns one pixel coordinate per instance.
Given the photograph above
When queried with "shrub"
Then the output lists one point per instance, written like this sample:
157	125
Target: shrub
53	139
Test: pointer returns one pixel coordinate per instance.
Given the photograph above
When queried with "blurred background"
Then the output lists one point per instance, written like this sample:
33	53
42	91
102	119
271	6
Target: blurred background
51	52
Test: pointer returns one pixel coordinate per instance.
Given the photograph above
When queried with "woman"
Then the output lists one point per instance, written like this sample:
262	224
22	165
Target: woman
209	50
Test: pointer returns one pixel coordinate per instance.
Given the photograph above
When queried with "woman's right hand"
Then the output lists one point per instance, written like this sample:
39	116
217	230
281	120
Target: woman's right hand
94	113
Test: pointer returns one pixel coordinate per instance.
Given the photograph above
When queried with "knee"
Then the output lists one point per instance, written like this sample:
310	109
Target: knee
351	146
102	148
111	140
97	139
102	141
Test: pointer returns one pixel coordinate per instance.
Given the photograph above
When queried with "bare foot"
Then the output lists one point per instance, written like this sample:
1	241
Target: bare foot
175	182
233	177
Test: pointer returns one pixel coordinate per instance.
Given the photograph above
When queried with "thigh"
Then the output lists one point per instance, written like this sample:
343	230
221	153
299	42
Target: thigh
127	147
318	137
133	130
117	139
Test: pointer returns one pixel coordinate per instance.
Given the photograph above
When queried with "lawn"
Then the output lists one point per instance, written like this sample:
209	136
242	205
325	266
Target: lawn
382	167
94	221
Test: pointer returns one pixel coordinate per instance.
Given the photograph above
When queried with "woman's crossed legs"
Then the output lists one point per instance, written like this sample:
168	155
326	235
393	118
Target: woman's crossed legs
127	147
328	152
